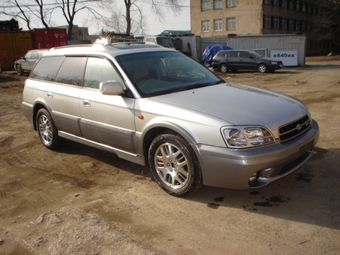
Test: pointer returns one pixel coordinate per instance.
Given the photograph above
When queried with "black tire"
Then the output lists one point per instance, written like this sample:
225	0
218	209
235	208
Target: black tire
19	70
174	165
262	68
47	130
223	68
207	64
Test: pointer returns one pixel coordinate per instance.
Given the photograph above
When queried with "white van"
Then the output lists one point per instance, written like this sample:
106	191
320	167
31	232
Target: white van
161	40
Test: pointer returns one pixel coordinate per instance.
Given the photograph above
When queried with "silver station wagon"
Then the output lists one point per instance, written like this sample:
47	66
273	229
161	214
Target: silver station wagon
155	106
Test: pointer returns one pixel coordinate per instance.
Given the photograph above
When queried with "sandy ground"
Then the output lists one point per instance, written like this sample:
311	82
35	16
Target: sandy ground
79	200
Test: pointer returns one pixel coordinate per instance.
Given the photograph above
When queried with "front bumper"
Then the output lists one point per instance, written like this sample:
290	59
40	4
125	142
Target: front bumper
233	168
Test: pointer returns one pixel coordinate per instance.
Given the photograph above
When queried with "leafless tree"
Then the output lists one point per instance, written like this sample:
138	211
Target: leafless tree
133	20
327	23
43	11
70	8
15	10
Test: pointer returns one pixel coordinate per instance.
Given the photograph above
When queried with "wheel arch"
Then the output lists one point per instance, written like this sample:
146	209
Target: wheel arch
37	106
156	130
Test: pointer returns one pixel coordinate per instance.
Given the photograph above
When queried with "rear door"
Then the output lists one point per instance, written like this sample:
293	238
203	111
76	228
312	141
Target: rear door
62	94
232	60
106	119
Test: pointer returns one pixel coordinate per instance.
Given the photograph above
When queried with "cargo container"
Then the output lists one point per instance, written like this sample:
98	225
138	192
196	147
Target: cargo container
13	45
47	38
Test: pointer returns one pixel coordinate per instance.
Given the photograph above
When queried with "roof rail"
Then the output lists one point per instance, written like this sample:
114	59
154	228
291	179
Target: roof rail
115	39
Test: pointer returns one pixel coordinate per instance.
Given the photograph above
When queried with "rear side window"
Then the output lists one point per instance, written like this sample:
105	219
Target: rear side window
244	54
47	68
72	71
221	53
232	54
98	70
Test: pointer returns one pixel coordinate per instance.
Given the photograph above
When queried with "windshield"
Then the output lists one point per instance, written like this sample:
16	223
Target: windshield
157	73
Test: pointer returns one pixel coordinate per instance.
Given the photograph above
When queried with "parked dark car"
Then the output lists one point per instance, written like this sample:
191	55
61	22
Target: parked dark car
210	52
25	64
234	60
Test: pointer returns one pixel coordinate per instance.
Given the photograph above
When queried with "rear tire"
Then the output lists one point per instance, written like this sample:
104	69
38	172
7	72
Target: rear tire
47	130
174	165
223	68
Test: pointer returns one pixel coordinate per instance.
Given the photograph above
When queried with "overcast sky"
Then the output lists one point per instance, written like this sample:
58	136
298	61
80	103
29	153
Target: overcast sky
172	21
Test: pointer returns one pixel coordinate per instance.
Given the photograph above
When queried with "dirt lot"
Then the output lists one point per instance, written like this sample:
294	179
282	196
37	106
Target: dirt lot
79	200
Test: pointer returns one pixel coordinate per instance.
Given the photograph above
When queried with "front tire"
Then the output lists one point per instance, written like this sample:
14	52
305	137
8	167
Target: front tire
19	70
47	130
174	165
262	68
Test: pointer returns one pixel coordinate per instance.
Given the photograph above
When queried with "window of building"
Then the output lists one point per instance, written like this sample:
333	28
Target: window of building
276	22
218	24
276	2
291	4
217	4
315	9
231	23
205	24
284	4
309	26
304	7
291	24
298	25
284	23
267	23
298	6
309	8
231	3
267	1
303	26
205	5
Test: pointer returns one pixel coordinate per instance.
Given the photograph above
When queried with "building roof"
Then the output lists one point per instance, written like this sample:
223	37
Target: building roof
175	32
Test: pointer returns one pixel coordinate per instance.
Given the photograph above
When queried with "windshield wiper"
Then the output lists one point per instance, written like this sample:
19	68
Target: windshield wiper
198	85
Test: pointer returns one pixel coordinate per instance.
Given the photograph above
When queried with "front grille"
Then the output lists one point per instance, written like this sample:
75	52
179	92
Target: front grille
294	129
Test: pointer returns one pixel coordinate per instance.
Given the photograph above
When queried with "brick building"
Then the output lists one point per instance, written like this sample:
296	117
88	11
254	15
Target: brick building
218	18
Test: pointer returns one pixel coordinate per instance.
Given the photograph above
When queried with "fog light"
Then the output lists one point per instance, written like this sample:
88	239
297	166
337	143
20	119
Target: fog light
253	178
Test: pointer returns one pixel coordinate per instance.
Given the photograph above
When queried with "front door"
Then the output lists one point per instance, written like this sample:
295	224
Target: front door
106	119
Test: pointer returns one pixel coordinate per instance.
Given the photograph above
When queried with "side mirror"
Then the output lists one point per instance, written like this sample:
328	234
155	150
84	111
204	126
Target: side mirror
111	88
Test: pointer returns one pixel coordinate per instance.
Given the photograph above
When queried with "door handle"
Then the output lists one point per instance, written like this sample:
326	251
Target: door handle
49	94
86	103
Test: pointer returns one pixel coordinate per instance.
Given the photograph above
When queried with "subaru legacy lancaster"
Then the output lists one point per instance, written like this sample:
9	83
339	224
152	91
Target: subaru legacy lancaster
155	106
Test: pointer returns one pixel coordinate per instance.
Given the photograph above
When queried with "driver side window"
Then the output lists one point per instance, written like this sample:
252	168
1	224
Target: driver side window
99	70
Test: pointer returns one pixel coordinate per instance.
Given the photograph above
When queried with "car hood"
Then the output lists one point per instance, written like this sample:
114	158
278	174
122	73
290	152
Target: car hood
271	59
237	104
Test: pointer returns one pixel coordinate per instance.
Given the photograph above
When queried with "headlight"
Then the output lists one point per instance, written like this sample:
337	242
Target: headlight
274	63
242	137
